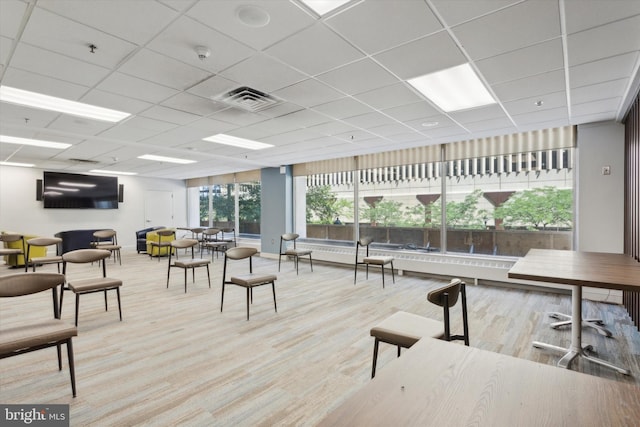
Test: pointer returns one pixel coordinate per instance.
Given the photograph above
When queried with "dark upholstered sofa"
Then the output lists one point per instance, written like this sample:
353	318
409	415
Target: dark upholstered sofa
141	238
75	239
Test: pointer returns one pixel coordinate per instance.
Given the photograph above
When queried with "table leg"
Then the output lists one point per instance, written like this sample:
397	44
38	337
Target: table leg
576	349
565	320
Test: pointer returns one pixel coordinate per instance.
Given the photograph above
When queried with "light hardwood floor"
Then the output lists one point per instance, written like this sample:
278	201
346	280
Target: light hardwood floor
175	359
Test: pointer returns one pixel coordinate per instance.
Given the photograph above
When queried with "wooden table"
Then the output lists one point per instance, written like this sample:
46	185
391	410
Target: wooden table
439	383
578	269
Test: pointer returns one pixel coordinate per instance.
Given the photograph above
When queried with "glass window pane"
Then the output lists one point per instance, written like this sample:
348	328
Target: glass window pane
328	206
249	208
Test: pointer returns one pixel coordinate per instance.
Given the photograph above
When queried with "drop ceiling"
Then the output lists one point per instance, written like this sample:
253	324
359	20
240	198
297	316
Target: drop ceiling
339	80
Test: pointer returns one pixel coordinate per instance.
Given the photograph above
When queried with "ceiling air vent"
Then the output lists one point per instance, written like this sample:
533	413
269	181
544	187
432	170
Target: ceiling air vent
248	99
87	161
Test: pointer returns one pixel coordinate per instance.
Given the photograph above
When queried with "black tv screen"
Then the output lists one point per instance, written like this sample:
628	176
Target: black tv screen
77	191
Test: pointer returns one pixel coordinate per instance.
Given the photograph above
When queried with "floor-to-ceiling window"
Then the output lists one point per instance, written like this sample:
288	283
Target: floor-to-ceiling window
249	208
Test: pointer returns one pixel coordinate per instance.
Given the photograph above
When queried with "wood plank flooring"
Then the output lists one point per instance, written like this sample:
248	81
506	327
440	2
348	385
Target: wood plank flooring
175	359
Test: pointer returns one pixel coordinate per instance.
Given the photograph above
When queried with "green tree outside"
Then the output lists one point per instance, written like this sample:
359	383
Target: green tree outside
538	207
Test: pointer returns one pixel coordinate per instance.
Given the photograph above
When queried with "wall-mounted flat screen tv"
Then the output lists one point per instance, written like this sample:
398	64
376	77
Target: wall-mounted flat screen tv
77	191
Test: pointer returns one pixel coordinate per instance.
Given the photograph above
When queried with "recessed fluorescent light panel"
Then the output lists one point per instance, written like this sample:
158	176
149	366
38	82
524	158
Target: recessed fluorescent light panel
453	89
237	142
112	172
23	165
322	7
166	159
35	142
52	103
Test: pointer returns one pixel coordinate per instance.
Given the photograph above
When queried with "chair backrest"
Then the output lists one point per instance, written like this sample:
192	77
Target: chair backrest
184	243
44	241
446	297
15	285
290	236
10	237
240	252
83	256
210	233
165	232
365	242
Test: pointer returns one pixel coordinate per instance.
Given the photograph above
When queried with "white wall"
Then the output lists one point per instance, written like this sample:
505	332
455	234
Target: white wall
600	198
600	218
21	212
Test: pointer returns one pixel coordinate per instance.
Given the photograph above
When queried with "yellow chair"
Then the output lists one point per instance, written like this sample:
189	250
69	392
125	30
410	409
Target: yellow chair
14	249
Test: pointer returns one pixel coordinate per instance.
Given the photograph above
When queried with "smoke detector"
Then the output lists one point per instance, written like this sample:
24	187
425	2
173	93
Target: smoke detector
203	52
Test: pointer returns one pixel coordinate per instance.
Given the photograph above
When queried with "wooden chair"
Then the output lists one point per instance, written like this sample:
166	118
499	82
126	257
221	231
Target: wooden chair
212	243
190	263
380	261
28	337
6	251
162	243
43	242
247	281
404	329
90	285
107	240
294	252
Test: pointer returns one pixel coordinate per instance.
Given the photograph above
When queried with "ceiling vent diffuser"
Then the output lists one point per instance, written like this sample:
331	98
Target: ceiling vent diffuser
248	99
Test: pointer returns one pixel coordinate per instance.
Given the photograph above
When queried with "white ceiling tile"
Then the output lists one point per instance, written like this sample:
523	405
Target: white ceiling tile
343	107
113	101
149	124
476	114
314	50
584	14
33	82
11	17
413	111
517	26
128	132
368	120
79	125
6	45
357	77
134	87
169	115
528	105
455	12
611	89
611	68
36	60
604	41
237	116
301	119
491	124
389	96
285	19
280	109
180	39
333	128
308	93
49	31
403	21
13	116
390	130
193	104
213	86
556	115
528	87
423	56
137	21
263	73
529	61
212	126
593	107
154	67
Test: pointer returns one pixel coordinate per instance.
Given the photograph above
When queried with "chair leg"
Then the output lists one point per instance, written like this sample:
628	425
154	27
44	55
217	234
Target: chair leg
208	276
375	357
297	258
399	351
273	288
355	274
60	306
279	261
77	307
382	276
106	308
222	298
393	276
185	280
119	306
59	349
310	262
248	292
72	369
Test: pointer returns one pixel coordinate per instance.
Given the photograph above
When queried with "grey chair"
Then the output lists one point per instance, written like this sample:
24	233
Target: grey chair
26	337
293	252
247	281
186	264
89	285
6	251
107	240
212	242
42	242
404	329
368	260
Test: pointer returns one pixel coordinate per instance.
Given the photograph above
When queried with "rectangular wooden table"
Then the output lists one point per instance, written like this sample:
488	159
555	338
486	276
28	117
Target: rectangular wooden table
578	269
438	383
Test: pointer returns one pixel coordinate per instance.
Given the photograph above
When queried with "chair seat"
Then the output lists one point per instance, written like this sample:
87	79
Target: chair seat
378	260
190	263
298	252
9	251
29	336
216	244
405	329
46	259
249	280
89	285
108	247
